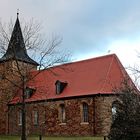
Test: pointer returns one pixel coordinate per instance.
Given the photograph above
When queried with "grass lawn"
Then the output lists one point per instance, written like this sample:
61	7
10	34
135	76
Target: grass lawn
51	138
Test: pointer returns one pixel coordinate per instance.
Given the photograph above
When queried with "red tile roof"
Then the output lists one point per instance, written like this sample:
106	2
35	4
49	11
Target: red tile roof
99	75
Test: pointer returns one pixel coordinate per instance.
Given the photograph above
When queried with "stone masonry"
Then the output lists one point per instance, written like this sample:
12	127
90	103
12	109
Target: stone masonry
8	79
49	123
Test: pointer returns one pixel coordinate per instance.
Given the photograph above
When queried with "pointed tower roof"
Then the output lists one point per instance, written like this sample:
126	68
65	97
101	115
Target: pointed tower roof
16	48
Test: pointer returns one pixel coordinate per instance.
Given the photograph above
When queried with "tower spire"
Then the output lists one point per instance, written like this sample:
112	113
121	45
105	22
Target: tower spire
16	47
17	12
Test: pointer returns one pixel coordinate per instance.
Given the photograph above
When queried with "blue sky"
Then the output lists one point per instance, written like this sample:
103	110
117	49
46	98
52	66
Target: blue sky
89	28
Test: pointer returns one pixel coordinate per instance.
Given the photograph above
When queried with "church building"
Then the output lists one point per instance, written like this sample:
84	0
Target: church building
73	99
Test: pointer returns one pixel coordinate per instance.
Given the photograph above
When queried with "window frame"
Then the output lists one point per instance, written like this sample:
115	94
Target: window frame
29	92
20	117
58	87
114	111
85	112
62	113
35	117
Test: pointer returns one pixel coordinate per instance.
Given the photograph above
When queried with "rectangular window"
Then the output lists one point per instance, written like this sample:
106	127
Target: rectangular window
58	87
62	113
43	117
35	117
85	112
29	92
20	117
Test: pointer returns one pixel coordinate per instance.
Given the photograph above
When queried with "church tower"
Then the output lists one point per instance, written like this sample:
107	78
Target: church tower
16	49
14	62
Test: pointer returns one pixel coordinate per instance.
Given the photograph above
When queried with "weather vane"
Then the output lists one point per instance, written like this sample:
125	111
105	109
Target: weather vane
17	12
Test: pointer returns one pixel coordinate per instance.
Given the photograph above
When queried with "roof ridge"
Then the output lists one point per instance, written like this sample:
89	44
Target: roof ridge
108	71
124	73
79	61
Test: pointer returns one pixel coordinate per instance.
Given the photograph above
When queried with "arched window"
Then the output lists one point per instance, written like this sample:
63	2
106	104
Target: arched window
20	117
62	113
114	110
85	112
43	117
35	117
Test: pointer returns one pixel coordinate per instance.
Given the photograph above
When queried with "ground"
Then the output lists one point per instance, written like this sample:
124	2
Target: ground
51	138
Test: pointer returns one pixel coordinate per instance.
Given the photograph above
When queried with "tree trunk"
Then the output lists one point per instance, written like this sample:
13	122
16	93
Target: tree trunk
23	131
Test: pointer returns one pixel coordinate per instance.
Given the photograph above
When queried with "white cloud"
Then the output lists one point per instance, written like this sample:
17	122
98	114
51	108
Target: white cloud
87	26
127	51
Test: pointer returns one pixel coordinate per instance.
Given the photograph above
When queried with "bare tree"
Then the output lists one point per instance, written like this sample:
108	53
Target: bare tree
31	34
47	54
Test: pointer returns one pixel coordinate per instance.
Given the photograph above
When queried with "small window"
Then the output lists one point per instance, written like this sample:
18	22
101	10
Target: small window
29	92
20	117
115	109
60	86
85	112
43	114
62	113
114	112
35	117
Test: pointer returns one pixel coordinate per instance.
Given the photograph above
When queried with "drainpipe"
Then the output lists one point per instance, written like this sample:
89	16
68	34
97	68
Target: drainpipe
94	117
7	121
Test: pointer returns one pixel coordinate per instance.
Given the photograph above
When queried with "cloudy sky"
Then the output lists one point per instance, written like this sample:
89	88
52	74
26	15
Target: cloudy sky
89	27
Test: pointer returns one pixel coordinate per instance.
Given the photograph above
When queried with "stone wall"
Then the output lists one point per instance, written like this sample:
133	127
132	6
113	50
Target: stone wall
49	119
8	79
6	93
103	113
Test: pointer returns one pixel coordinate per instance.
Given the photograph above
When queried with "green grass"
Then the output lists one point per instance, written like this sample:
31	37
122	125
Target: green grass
50	138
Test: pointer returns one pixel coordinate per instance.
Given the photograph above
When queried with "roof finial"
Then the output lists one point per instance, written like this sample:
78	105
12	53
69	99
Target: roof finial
17	12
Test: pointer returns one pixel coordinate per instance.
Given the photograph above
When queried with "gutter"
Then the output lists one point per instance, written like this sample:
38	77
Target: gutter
64	98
